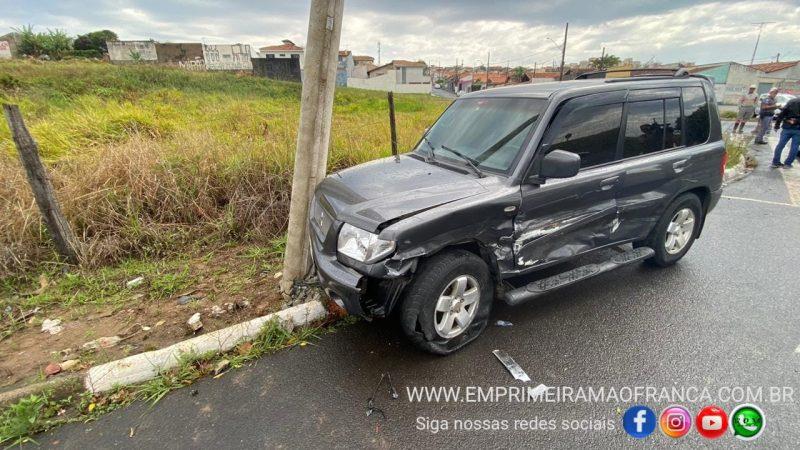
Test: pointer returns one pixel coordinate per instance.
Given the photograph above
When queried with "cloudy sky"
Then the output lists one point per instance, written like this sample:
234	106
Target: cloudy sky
515	32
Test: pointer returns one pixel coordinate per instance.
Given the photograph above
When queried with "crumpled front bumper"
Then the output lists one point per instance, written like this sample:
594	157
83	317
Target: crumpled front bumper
339	281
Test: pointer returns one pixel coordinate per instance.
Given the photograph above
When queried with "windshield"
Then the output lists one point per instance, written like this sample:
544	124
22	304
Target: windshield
488	131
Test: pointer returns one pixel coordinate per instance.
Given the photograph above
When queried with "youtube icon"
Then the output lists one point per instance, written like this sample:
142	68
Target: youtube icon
712	422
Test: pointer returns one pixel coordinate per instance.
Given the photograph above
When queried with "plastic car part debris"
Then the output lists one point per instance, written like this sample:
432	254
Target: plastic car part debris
512	366
371	409
503	323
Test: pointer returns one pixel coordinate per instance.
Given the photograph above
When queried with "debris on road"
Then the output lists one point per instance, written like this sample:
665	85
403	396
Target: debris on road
371	408
503	323
186	298
134	282
217	311
52	326
194	322
221	367
512	366
52	369
103	342
69	364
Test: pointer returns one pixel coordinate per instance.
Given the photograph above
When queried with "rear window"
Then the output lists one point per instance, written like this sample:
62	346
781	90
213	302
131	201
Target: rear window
695	109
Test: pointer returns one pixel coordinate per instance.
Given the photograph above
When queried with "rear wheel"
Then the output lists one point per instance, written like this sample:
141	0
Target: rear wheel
447	305
676	230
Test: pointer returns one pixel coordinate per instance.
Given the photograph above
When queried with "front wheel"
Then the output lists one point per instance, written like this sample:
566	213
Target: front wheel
676	230
447	305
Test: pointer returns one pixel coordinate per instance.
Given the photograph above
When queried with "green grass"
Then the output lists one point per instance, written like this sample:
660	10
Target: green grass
736	147
147	159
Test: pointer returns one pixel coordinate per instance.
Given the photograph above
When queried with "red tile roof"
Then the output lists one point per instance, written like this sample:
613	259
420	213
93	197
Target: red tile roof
774	66
344	52
494	78
363	58
543	74
285	47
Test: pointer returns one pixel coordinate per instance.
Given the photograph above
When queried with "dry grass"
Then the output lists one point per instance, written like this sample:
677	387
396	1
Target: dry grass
146	160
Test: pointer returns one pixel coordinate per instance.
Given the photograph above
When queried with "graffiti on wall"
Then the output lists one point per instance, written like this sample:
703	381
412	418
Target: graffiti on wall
5	50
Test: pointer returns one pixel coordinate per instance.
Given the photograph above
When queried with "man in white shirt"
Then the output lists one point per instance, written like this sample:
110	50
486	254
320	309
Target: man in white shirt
747	108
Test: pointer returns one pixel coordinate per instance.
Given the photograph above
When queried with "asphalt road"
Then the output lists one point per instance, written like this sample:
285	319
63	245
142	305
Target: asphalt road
725	316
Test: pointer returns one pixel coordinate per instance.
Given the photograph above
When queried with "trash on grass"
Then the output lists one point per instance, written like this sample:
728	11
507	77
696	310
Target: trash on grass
184	299
221	367
503	323
371	408
512	366
69	364
52	326
134	282
103	342
194	322
52	369
216	310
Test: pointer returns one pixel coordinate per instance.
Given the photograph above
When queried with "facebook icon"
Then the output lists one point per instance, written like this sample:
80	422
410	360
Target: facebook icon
639	421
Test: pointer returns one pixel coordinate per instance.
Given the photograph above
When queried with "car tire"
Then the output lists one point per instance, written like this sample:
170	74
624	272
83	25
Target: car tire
424	325
668	252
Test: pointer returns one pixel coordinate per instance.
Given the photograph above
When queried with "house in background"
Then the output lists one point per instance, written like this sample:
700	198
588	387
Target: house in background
344	67
123	52
541	77
8	45
363	64
227	57
287	49
731	79
398	76
782	75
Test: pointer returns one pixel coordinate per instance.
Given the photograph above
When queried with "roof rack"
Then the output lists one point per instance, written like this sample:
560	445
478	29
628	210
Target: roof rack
643	75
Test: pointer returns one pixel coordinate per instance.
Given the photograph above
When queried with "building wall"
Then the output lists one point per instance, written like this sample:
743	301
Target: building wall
277	68
413	75
388	82
5	50
181	52
360	71
227	57
131	51
731	81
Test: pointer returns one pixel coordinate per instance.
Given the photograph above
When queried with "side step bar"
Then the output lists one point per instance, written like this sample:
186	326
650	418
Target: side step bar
538	288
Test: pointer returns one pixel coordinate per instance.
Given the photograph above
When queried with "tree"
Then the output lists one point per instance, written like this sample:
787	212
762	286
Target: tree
95	41
519	72
54	43
606	62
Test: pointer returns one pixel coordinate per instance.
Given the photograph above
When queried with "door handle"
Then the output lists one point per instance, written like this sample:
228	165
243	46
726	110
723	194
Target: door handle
608	183
679	165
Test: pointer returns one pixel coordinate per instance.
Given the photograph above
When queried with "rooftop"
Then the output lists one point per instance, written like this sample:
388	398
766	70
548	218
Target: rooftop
774	66
285	47
402	63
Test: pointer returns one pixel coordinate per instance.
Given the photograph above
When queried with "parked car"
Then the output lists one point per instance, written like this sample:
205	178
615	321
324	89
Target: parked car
513	180
780	100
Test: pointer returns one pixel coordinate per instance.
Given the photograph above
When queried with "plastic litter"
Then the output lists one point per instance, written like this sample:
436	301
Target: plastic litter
512	366
503	323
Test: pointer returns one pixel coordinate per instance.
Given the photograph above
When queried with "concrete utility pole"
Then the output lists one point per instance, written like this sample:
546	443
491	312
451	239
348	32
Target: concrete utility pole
314	131
563	52
486	86
760	27
602	58
379	53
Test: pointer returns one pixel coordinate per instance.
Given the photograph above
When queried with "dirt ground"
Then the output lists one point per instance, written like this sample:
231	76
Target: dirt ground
226	286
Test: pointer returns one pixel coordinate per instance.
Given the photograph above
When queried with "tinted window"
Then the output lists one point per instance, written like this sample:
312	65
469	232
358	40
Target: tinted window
591	132
672	119
695	109
644	128
491	131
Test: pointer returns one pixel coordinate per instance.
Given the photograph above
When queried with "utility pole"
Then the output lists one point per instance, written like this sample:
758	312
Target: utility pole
313	133
602	59
760	27
563	52
486	86
379	53
534	72
778	57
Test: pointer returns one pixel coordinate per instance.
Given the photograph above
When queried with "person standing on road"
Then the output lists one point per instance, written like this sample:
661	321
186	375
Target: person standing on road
765	114
747	108
790	118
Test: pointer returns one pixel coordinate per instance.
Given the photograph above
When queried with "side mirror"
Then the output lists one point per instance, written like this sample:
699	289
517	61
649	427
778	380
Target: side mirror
560	164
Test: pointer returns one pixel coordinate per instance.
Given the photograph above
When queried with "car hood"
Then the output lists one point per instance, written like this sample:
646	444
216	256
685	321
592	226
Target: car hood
385	190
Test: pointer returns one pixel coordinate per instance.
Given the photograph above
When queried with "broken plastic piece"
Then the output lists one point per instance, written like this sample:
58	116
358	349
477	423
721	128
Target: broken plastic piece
371	409
503	323
512	366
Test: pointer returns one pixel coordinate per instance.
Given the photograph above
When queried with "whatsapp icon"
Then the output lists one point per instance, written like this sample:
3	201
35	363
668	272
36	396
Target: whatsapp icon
747	422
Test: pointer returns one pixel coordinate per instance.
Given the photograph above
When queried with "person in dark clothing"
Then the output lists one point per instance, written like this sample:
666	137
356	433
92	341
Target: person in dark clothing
790	118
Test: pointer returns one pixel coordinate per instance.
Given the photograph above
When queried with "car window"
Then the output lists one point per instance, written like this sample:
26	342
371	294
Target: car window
644	128
490	131
592	132
695	110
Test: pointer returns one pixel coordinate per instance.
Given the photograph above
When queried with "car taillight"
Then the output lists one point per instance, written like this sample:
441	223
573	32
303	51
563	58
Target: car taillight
724	162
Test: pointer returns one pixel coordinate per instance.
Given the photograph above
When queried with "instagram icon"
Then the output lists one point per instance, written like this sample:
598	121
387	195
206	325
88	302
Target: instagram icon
675	421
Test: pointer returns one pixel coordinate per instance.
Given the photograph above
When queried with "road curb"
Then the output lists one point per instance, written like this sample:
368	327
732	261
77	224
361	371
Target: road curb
146	366
61	387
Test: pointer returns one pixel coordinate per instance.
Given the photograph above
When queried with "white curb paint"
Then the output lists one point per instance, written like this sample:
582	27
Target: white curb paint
146	366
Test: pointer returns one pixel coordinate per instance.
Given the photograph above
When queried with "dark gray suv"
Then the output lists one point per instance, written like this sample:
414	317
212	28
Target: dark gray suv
513	180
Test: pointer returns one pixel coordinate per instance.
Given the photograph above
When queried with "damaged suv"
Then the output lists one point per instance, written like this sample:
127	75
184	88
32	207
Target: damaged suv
513	180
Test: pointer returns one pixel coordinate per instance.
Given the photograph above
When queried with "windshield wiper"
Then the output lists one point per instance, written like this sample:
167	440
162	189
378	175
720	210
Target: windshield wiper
470	162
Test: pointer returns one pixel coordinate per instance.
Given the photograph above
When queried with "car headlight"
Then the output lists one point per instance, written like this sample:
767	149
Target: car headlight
362	245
